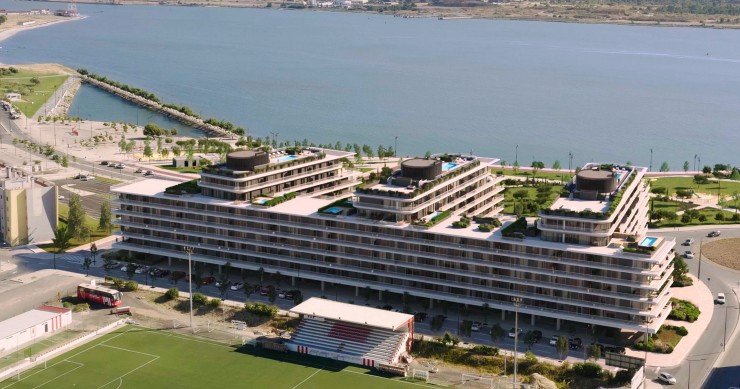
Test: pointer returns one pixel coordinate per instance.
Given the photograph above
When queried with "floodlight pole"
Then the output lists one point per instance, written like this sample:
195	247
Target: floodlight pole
189	250
517	303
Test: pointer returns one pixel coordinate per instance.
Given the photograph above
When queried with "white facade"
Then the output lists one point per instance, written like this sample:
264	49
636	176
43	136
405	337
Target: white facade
25	328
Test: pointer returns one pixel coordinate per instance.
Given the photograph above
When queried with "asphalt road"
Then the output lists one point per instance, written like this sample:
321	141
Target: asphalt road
92	193
709	349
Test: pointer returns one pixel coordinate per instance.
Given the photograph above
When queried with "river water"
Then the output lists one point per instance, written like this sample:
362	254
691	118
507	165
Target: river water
601	92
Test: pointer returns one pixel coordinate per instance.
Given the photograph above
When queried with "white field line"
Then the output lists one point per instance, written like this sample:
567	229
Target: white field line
120	378
65	360
307	378
79	365
131	351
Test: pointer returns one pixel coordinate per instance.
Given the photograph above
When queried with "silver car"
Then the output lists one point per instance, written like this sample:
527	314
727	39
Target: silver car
667	378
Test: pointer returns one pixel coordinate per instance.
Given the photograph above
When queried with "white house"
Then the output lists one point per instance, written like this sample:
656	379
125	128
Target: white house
26	327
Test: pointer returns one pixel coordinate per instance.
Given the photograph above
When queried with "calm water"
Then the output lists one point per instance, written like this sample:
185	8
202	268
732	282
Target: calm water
608	93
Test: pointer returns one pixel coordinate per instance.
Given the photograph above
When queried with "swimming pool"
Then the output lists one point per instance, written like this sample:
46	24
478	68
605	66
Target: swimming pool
431	216
333	210
618	175
449	165
286	158
648	242
261	201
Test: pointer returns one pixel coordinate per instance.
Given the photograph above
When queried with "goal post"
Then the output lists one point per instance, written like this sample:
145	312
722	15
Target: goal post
475	381
421	375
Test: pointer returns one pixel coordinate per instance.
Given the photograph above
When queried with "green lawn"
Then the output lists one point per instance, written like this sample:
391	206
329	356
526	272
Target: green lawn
710	215
726	188
509	200
560	176
192	169
33	96
136	357
90	222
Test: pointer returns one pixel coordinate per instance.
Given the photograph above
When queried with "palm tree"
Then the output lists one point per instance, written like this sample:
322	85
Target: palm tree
62	241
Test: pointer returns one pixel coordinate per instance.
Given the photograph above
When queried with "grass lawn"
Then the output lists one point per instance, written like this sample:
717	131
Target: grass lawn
671	206
726	188
192	169
532	195
668	336
32	96
107	180
90	222
710	215
561	176
136	357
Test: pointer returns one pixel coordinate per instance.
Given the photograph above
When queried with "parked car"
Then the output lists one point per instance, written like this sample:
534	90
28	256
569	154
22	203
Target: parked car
120	166
104	162
420	316
77	177
714	234
125	267
720	298
515	332
575	343
477	326
265	290
667	378
148	173
207	280
537	334
141	269
138	170
218	283
60	197
688	242
554	340
87	178
237	286
688	255
176	275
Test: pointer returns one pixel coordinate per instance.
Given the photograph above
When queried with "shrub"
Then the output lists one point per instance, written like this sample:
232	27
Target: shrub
484	350
587	369
130	286
684	310
84	307
200	299
261	309
214	303
67	304
172	293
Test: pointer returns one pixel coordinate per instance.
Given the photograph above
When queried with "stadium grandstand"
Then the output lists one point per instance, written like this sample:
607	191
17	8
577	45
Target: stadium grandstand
352	333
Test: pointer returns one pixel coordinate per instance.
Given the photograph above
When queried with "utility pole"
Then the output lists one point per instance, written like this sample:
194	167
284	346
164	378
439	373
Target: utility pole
517	303
698	275
651	160
189	250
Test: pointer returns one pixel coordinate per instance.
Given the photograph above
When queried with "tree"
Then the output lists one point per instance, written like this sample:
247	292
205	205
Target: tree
108	264
130	146
3	19
189	153
105	223
86	265
561	346
197	275
593	352
153	130
160	146
130	269
538	165
664	167
271	294
497	333
35	81
164	153
686	166
706	169
148	149
61	241
735	175
76	217
176	151
530	339
556	165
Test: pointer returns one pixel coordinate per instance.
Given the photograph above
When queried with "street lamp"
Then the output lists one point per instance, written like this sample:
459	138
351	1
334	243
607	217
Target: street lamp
189	250
517	301
651	160
516	154
724	334
93	251
698	275
395	147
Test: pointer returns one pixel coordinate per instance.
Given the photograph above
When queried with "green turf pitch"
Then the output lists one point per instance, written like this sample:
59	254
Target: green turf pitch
136	357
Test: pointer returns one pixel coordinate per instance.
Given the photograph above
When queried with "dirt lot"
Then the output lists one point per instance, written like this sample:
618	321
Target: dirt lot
724	252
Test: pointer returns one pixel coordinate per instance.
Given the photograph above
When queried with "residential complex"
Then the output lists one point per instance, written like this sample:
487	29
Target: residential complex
299	212
28	208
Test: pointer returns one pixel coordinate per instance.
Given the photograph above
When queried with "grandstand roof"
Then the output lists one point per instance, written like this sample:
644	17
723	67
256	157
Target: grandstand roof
350	313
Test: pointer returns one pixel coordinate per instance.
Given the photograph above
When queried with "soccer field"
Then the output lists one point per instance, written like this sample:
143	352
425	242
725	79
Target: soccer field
137	357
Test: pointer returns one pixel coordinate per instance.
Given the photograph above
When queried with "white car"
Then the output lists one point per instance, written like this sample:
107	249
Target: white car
60	197
141	269
237	286
667	378
721	298
554	340
688	255
688	242
513	332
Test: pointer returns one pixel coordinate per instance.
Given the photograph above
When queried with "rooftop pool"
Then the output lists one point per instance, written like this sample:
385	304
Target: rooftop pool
648	242
449	165
286	158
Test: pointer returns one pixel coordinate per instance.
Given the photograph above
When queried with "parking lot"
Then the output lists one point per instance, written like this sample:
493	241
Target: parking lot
92	193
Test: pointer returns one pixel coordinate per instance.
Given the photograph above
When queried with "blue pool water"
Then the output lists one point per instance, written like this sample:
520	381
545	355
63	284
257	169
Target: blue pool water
431	216
618	175
286	158
333	210
648	242
448	165
261	201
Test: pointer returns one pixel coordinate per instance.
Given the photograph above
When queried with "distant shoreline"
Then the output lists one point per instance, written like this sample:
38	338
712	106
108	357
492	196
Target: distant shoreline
5	34
524	10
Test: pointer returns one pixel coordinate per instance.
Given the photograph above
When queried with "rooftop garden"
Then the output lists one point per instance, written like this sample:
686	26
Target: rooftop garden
615	199
519	229
337	207
222	170
424	187
276	200
434	220
487	224
187	187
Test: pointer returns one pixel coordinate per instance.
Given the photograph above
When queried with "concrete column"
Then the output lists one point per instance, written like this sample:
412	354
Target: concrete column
532	322
503	315
557	324
431	303
322	286
357	291
169	261
219	269
380	295
292	281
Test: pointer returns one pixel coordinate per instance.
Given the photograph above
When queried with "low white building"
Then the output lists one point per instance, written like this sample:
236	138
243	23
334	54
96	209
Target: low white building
26	327
13	96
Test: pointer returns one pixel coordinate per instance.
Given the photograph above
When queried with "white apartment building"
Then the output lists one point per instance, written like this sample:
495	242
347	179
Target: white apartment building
586	259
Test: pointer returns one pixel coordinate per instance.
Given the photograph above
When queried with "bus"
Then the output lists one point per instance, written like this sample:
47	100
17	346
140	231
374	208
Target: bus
99	294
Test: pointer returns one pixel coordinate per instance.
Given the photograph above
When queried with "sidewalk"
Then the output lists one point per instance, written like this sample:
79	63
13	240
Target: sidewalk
702	297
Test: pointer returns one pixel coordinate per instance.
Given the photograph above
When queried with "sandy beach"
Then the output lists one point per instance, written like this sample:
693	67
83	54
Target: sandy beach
11	27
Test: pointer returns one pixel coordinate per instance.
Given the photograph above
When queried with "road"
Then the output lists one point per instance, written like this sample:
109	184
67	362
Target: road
709	349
